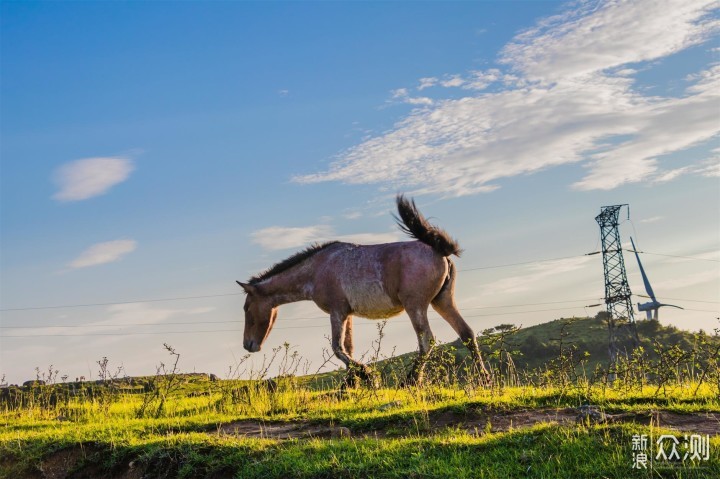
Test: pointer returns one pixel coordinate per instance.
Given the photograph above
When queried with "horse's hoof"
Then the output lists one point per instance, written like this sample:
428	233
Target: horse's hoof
412	380
358	375
370	378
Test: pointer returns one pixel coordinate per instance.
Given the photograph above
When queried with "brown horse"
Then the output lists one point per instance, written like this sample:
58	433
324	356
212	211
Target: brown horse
374	281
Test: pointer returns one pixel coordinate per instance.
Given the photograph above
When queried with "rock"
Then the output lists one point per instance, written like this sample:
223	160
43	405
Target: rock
591	414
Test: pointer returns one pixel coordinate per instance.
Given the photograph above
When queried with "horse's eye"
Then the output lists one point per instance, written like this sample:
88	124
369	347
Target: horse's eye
246	307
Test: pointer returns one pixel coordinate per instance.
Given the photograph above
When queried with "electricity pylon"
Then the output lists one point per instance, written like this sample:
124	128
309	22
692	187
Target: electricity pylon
621	320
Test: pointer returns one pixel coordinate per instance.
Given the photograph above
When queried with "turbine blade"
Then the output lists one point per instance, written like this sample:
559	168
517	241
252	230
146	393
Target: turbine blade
648	288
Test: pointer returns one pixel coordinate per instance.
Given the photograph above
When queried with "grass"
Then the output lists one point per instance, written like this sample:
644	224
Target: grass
184	441
174	425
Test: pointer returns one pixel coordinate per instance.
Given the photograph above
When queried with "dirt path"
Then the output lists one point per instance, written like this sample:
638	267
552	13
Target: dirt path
698	423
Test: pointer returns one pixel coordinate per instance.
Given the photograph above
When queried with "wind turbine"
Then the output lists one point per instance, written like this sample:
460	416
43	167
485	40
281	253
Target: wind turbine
652	305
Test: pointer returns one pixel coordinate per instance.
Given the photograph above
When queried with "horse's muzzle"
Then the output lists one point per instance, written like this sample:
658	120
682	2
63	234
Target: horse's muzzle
251	346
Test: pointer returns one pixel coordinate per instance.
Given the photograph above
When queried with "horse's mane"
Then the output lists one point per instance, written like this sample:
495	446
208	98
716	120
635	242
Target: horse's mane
293	260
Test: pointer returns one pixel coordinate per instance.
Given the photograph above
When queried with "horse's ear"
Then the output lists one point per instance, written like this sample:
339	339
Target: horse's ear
249	288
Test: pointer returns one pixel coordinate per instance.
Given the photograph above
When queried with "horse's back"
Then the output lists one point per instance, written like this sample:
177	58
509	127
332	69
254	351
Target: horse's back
373	280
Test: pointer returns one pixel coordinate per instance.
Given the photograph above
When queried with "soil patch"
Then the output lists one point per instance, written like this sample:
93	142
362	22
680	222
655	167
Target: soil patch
699	423
282	430
479	423
57	464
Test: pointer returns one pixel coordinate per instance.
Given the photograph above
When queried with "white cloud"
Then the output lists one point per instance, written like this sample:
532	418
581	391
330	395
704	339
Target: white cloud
653	219
711	170
102	253
483	79
671	174
402	95
369	238
591	37
352	215
453	81
477	80
279	237
89	177
570	99
427	83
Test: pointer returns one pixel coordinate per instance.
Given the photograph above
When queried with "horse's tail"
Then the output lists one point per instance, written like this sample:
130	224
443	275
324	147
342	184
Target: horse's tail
413	223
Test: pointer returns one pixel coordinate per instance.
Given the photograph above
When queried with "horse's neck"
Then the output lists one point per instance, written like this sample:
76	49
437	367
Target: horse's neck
289	286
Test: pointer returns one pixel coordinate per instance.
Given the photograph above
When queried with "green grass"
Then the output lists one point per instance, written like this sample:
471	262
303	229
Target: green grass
184	441
169	425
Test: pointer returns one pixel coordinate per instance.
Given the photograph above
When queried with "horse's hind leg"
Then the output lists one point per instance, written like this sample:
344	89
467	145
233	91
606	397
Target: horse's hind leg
444	304
342	345
419	319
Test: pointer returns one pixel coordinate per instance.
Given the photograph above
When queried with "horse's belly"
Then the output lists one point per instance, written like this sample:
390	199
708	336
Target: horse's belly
378	313
370	300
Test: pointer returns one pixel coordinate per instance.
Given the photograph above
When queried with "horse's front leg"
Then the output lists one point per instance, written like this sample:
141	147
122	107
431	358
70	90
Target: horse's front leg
342	345
348	341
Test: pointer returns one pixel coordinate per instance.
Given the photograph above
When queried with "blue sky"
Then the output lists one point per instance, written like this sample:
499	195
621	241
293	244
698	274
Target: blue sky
163	150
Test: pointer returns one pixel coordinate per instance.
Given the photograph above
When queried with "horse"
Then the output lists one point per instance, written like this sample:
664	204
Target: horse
371	281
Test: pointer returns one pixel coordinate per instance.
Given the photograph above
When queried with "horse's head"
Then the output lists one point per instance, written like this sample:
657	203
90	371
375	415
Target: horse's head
260	316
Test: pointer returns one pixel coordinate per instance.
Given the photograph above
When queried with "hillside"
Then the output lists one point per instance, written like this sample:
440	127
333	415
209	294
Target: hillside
534	346
530	351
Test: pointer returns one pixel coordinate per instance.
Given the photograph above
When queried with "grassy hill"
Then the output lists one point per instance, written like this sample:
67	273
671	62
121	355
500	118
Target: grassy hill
534	346
582	343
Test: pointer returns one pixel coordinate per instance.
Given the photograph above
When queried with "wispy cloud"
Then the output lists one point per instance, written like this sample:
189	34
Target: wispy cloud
685	281
280	237
102	253
534	275
569	97
89	177
144	313
125	317
370	238
652	219
401	95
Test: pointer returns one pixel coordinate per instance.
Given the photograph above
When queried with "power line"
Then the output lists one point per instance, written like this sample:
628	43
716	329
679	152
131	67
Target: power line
682	299
284	319
523	263
674	256
313	326
301	318
179	298
122	334
114	325
184	298
369	323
